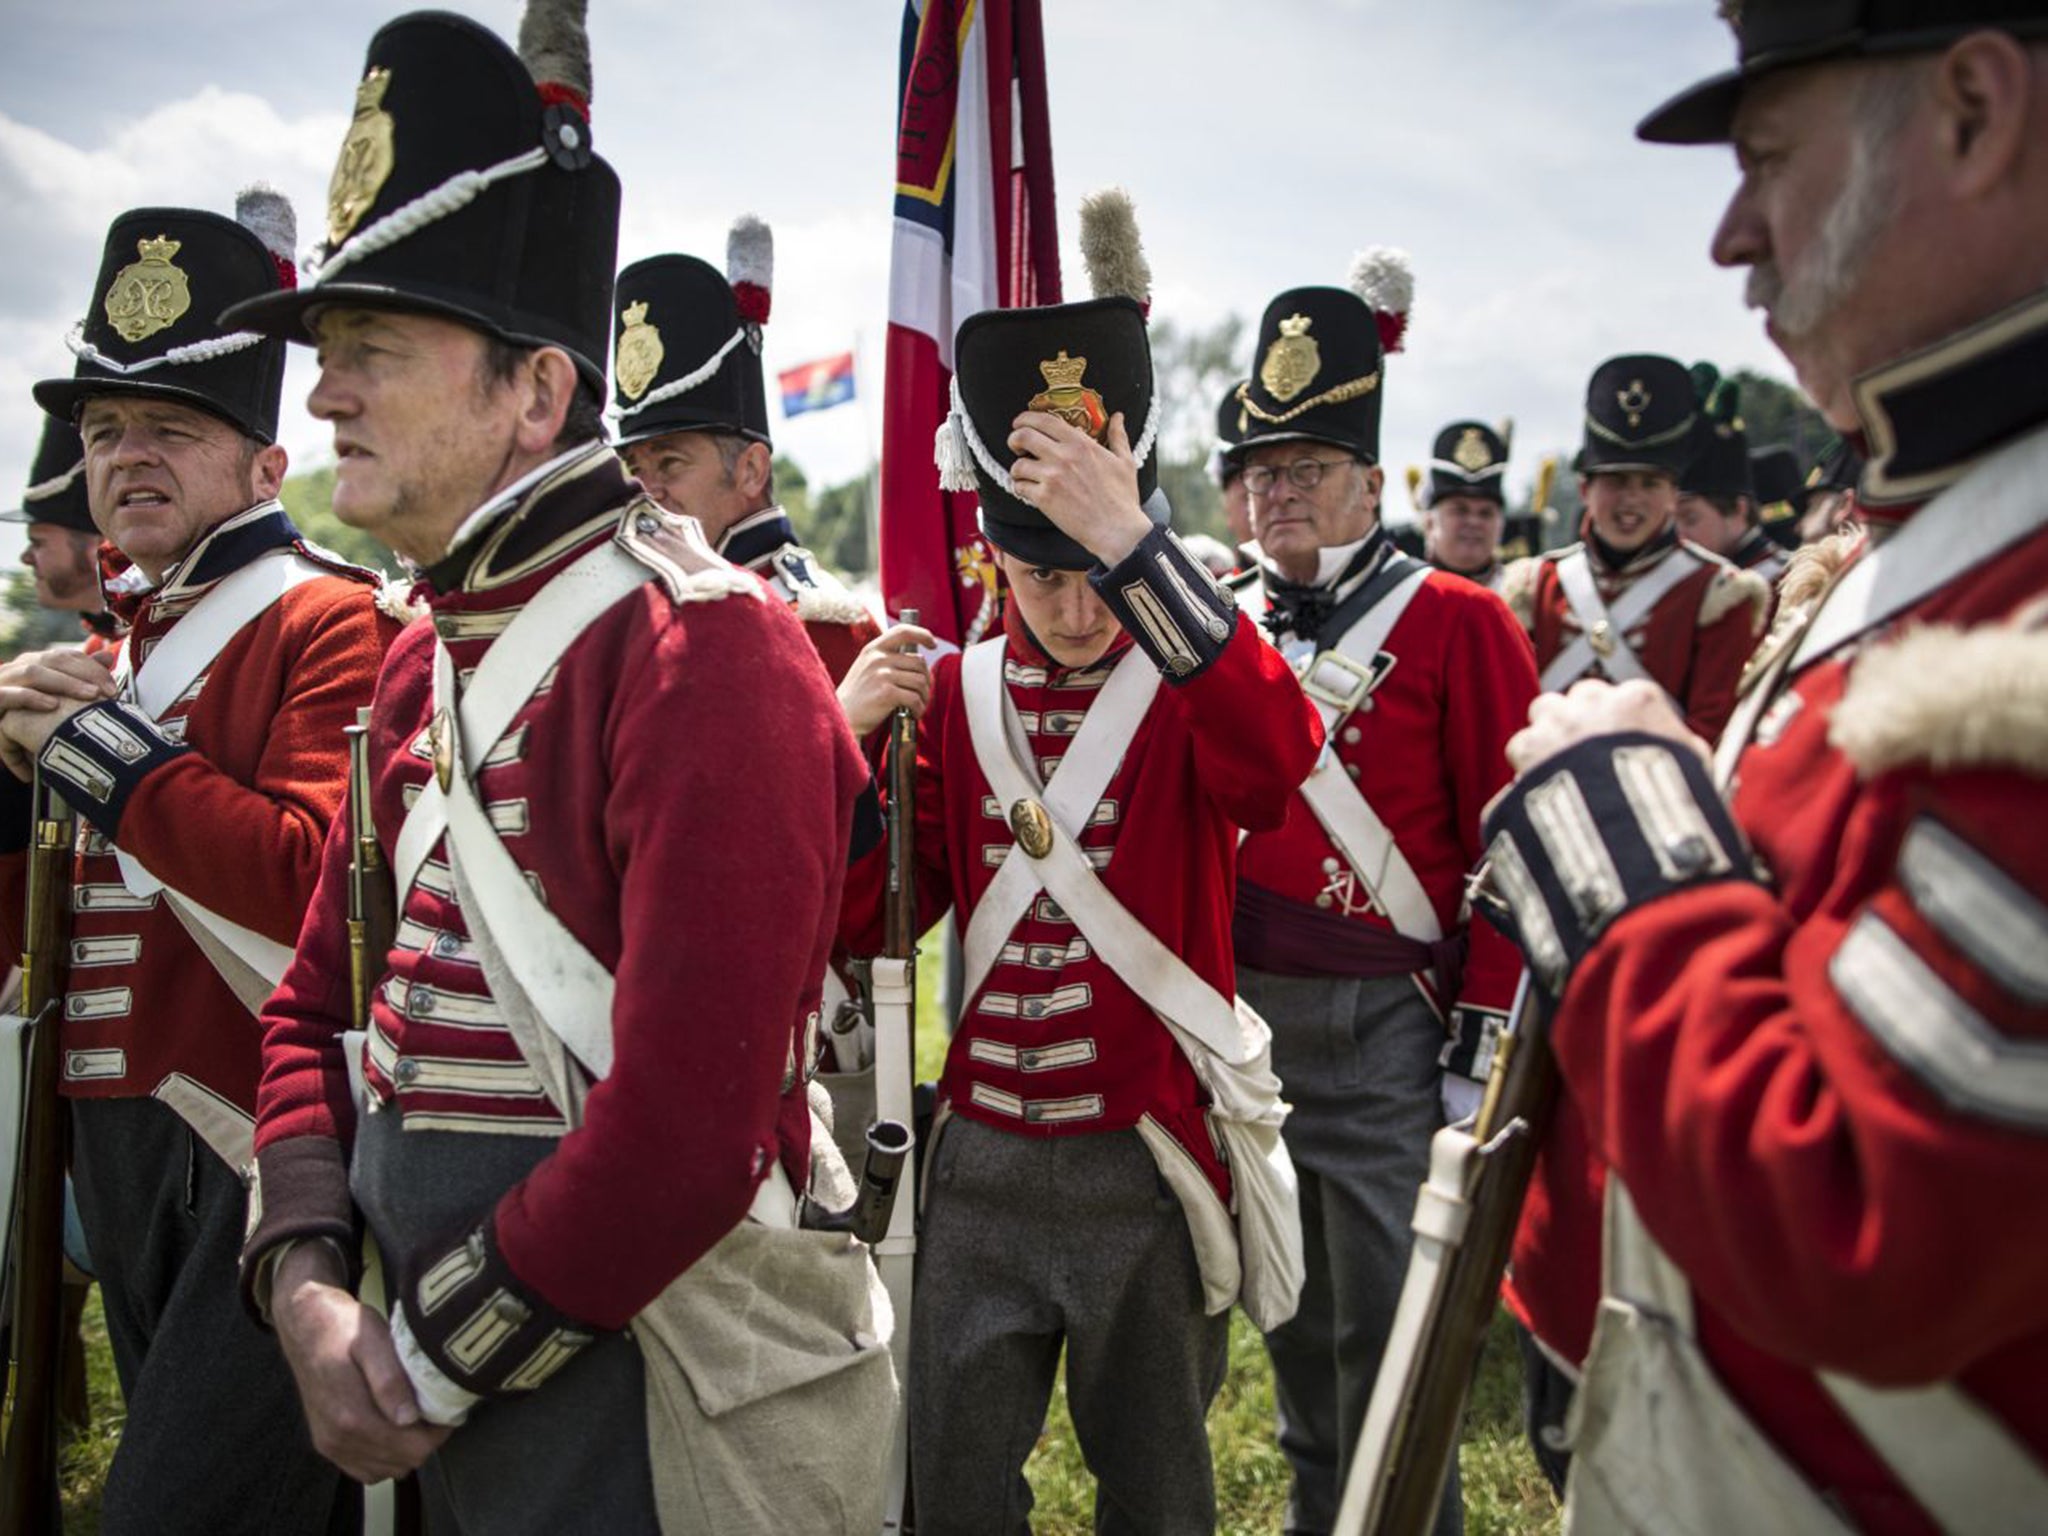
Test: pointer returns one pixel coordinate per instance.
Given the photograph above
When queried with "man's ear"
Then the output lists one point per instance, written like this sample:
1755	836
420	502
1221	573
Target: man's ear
1983	89
267	471
755	468
548	385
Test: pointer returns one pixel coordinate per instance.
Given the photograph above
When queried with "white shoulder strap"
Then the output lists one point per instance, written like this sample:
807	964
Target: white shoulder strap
251	964
1345	814
511	669
1603	637
1200	1017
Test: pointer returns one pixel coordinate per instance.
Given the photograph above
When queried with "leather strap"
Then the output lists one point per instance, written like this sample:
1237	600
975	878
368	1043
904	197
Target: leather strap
1582	593
1341	807
1197	1014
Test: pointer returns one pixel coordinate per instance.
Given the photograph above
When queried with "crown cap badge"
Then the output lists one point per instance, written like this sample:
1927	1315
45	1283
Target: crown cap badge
149	294
1633	401
1472	454
640	351
1063	372
1292	361
369	152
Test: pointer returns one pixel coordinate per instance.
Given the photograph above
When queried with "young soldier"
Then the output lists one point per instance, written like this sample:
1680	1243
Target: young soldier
205	774
1717	493
1780	503
1799	1004
692	410
585	1063
1081	780
1634	601
1464	504
1351	931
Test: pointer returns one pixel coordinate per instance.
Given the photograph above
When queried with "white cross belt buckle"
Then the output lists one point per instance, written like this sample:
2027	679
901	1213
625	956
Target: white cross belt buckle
1334	679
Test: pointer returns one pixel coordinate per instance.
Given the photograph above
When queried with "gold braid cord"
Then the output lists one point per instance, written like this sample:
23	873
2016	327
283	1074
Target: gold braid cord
1610	435
1337	396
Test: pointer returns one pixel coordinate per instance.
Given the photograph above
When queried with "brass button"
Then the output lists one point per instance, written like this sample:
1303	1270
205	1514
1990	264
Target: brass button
1352	769
1028	1061
419	1002
1034	1008
406	1072
510	1310
1031	824
1351	735
1331	866
1326	900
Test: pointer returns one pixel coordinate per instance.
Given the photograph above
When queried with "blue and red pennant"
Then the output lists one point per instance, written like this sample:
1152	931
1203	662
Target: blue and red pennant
816	386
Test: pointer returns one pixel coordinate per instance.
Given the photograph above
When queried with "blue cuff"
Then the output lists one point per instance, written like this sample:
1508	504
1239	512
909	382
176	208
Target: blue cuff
1600	829
1169	604
1475	1036
100	756
486	1331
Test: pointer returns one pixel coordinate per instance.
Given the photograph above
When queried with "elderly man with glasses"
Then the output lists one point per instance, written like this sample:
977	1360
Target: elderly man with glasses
1351	930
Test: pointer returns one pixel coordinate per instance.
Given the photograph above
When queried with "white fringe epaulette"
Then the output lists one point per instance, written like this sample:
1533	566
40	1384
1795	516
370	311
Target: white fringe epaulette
1947	698
1730	589
829	605
395	601
1518	589
674	548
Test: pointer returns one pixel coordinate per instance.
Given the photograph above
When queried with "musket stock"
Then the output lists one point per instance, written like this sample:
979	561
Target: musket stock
372	901
28	1471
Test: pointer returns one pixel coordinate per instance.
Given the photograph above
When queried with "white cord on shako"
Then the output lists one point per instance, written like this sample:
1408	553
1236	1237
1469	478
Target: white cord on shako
956	471
48	488
458	191
685	384
191	352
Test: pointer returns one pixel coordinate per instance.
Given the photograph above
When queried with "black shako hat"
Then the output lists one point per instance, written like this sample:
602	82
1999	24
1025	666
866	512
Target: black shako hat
1641	414
1771	35
466	189
1780	488
1230	425
1469	458
1720	468
56	482
153	324
687	353
1083	362
1321	357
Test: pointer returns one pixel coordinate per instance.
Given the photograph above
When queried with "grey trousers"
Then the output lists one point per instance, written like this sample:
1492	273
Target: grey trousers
1357	1060
215	1443
571	1456
1028	1242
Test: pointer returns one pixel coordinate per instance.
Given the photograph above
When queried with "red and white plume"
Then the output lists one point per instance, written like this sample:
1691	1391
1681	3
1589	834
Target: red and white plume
267	214
554	44
750	266
1382	277
1111	248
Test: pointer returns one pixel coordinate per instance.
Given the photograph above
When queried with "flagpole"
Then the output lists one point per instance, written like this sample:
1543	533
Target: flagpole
874	472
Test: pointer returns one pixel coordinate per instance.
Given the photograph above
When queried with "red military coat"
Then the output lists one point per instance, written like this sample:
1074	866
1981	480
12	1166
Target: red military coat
687	825
1694	642
1221	751
838	623
1739	1052
1428	750
229	804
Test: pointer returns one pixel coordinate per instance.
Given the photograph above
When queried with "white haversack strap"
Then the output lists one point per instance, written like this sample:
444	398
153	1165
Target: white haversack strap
1618	660
1960	1464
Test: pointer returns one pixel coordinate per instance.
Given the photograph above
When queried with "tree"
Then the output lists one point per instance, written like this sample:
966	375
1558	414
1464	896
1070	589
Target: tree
309	499
26	627
1192	366
1775	415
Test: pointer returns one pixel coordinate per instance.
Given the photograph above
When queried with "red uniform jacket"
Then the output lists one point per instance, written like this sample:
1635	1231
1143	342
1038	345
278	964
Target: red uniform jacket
1695	642
688	824
228	801
1221	751
1428	749
1835	1204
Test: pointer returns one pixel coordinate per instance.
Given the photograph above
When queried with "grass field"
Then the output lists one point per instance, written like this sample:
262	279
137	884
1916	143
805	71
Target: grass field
1505	1494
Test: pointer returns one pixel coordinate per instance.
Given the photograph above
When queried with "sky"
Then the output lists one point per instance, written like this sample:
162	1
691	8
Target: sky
1263	141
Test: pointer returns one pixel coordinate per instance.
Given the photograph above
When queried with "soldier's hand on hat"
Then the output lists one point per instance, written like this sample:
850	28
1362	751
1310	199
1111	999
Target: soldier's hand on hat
1593	708
1088	489
39	691
359	1403
888	674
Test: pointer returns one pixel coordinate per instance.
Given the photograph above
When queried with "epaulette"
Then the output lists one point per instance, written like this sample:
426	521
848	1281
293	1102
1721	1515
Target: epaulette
1949	699
817	595
1729	589
674	548
339	564
395	600
1812	568
1518	587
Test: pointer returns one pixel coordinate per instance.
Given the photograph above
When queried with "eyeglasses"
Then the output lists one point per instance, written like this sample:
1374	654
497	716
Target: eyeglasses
1305	474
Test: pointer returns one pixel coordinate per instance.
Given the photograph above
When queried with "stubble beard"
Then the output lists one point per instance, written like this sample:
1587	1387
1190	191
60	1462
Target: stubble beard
1800	303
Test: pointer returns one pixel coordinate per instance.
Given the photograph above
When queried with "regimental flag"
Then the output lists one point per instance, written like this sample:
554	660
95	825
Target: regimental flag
815	386
974	230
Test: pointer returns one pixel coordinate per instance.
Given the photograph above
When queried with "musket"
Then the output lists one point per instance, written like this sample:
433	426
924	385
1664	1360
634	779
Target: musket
372	900
1465	1216
28	1470
893	977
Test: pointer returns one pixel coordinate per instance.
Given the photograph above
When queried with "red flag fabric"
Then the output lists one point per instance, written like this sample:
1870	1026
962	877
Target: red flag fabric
975	230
